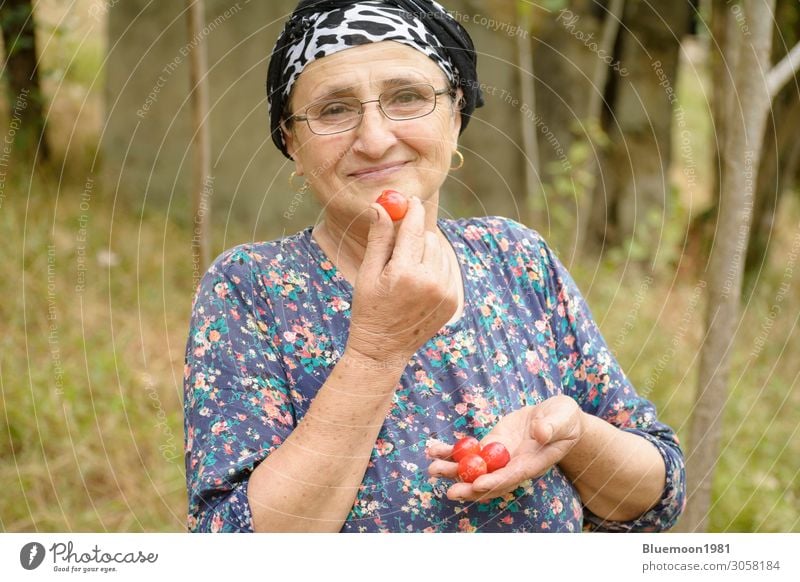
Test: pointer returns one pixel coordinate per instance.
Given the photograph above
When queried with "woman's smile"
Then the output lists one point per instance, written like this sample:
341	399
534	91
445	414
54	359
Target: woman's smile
378	172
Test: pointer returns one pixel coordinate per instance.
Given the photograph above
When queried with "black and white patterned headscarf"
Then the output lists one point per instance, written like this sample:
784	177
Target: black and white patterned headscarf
319	28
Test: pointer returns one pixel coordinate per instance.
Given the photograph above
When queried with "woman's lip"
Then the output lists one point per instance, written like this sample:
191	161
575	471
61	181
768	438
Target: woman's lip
378	171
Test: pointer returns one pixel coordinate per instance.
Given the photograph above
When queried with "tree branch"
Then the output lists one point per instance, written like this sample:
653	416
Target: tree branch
780	74
611	26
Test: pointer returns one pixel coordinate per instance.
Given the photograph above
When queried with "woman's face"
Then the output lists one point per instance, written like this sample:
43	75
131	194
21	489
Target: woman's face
349	170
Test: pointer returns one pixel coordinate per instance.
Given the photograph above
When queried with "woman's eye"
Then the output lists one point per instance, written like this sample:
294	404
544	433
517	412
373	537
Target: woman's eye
336	109
405	97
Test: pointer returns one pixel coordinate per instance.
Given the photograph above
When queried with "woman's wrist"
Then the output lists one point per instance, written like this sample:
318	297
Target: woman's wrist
618	475
384	363
583	453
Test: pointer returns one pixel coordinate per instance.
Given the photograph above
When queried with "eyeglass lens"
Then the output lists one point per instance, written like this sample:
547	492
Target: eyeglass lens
400	103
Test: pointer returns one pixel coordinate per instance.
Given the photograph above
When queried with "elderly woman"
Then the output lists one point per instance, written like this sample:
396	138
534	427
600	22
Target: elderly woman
329	373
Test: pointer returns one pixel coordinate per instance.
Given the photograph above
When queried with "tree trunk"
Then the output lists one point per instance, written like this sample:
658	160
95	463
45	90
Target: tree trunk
703	226
781	153
530	146
724	55
601	73
201	142
779	162
741	151
564	68
26	101
632	190
596	108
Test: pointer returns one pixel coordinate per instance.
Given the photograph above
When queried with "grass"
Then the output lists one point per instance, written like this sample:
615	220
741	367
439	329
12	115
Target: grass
91	423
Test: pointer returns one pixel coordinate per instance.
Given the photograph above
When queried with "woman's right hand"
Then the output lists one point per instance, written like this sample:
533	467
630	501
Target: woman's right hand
402	297
404	292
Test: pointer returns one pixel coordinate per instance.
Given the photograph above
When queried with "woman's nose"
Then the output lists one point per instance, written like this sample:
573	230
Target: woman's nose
375	133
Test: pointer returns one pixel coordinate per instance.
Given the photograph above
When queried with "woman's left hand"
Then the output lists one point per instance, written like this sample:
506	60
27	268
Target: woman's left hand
537	437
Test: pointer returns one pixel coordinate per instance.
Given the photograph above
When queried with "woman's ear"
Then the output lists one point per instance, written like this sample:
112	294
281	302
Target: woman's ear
459	99
458	104
290	139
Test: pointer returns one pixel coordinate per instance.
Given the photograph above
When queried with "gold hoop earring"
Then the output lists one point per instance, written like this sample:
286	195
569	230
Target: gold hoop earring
303	189
460	161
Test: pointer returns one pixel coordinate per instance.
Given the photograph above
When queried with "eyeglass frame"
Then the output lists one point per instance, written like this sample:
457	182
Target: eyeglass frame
436	93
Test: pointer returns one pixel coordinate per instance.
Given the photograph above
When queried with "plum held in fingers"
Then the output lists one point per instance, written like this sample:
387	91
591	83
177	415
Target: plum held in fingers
464	447
471	467
496	456
396	204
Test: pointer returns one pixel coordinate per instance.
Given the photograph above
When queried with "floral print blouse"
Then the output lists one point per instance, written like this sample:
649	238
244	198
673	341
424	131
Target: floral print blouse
270	321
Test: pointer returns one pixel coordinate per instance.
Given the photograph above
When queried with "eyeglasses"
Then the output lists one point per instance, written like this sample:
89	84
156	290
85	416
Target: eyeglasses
343	114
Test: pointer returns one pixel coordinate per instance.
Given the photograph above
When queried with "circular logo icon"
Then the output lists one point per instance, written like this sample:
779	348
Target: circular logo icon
31	555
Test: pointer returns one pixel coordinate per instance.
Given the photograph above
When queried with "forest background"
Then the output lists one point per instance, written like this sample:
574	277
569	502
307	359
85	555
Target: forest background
614	128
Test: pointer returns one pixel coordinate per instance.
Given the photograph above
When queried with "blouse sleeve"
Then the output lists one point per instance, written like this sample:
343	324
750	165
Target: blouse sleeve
592	376
236	400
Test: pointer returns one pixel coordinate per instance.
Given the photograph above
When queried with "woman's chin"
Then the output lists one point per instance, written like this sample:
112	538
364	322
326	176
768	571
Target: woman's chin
371	190
408	185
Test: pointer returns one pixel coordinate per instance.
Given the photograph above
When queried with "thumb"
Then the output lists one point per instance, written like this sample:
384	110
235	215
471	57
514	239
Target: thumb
555	420
542	431
380	242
